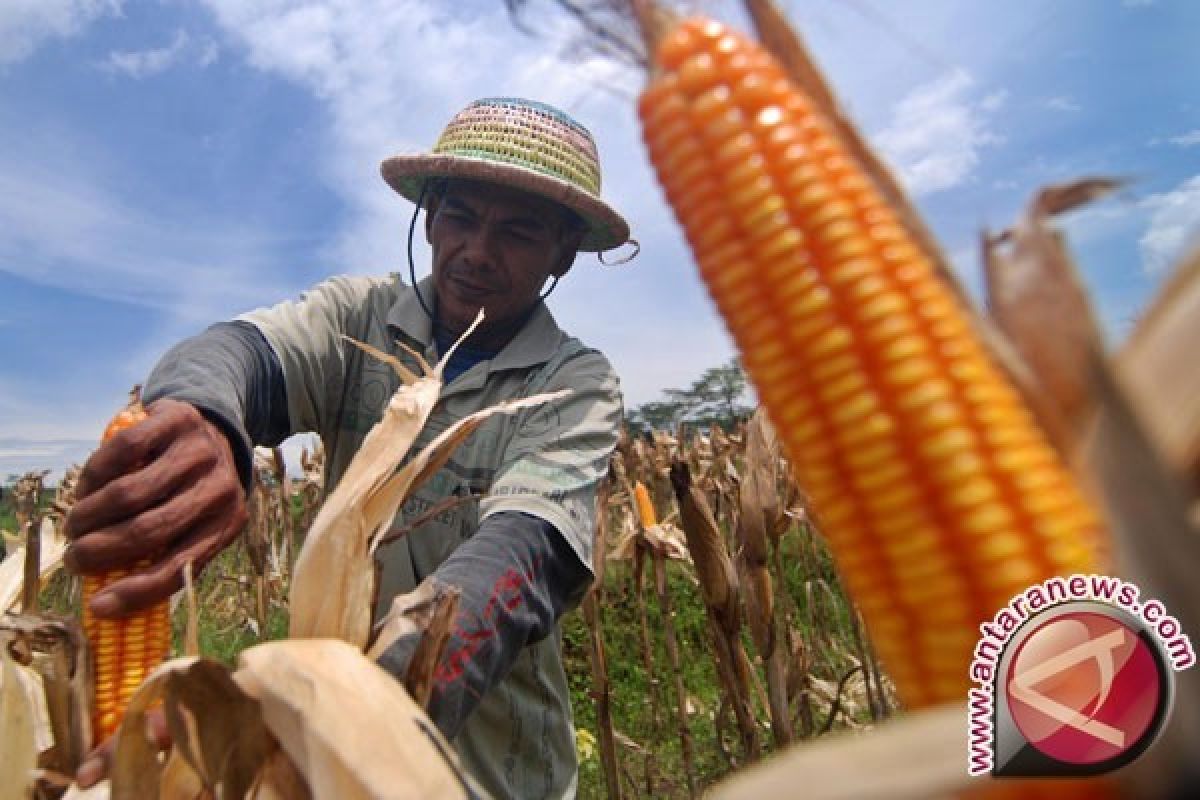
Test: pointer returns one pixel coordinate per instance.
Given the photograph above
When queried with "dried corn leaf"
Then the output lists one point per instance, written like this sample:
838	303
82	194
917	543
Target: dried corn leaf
136	772
919	756
718	580
333	580
1159	549
56	650
758	495
427	612
1157	369
18	727
53	547
180	781
100	791
333	585
280	780
1033	288
217	729
348	726
434	456
669	541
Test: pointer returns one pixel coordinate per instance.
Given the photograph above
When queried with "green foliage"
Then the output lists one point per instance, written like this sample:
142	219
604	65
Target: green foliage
717	397
8	513
826	628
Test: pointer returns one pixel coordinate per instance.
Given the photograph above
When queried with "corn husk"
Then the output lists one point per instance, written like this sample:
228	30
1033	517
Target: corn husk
20	692
1149	366
916	758
54	667
359	735
334	582
296	719
1033	286
53	548
758	502
427	612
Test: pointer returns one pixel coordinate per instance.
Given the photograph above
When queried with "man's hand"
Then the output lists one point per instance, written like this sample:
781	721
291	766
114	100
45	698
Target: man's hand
165	490
98	764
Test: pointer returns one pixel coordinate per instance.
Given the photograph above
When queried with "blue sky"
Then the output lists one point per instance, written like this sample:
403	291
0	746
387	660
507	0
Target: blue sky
165	164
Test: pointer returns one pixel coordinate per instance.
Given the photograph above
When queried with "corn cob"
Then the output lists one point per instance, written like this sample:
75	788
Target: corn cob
939	495
124	651
645	506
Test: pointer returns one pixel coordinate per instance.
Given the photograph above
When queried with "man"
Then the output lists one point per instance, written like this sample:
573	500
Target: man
511	193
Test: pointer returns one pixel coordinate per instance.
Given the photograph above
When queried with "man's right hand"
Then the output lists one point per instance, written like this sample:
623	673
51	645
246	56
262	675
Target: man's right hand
166	492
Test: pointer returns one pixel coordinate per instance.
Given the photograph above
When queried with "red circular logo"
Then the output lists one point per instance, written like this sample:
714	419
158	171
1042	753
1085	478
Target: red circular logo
1085	688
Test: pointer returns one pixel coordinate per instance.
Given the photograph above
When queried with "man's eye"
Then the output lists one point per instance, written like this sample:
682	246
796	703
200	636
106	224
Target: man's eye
522	236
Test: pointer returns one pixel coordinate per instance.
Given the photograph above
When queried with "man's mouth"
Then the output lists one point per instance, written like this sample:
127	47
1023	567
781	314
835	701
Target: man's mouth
469	288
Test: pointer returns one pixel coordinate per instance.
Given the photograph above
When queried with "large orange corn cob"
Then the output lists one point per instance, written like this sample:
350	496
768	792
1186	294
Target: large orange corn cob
940	497
125	650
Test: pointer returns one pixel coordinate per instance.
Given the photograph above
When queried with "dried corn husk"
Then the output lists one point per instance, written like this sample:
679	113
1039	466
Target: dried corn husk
918	757
714	567
427	612
296	719
359	735
759	511
53	548
20	695
1149	365
333	587
1033	286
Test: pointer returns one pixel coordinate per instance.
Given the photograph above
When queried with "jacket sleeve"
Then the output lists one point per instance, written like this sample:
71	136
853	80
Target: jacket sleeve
232	376
518	576
560	452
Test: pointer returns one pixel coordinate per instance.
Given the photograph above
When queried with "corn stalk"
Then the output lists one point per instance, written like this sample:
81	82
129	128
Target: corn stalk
719	585
593	603
759	501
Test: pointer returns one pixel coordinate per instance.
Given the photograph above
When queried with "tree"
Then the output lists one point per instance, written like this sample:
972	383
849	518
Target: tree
719	391
717	397
662	415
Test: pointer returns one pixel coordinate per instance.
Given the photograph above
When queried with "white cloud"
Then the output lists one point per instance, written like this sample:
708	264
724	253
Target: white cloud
63	225
1189	139
1174	225
19	456
144	63
209	51
994	101
1062	103
936	133
25	24
392	72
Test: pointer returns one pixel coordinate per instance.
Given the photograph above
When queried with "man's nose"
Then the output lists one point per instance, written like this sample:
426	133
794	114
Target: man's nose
477	247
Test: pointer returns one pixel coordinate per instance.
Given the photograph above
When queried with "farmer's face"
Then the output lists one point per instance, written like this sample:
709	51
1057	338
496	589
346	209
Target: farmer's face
494	248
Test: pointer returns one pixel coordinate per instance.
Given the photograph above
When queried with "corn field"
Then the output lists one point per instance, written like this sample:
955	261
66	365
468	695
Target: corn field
825	566
675	683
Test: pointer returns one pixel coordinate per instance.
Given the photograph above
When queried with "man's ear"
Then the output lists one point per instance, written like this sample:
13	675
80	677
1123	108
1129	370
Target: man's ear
570	250
431	202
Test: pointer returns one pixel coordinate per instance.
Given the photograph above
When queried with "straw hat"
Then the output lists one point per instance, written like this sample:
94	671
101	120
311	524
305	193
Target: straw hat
523	144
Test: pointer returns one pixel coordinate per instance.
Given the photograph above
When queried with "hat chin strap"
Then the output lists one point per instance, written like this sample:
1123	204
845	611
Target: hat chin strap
412	270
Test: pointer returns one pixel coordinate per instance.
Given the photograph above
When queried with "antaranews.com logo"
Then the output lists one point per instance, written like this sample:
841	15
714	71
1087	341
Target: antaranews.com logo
1075	677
